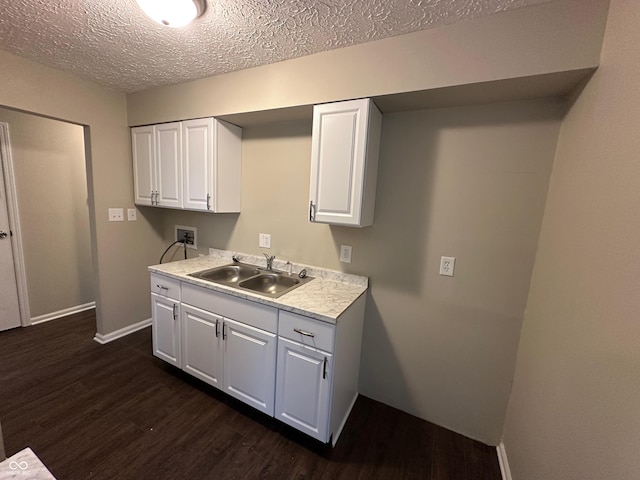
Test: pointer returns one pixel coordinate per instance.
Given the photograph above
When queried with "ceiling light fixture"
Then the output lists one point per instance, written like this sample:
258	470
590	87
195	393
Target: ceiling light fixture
172	13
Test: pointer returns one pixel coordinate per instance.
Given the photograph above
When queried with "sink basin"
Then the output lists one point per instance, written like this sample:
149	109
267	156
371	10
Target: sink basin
248	277
227	273
269	283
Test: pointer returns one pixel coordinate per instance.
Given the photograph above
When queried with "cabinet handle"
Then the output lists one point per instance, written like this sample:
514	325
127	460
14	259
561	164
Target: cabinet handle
302	332
174	311
208	202
224	331
217	331
312	211
162	287
324	368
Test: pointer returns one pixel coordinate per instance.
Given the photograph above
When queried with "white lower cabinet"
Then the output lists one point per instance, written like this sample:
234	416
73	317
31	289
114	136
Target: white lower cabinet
303	386
166	328
202	352
235	345
249	364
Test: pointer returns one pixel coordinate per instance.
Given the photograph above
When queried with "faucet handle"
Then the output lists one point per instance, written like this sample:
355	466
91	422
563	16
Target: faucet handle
269	257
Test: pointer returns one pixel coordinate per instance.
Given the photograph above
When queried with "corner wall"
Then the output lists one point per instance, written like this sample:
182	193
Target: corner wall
122	250
573	413
51	183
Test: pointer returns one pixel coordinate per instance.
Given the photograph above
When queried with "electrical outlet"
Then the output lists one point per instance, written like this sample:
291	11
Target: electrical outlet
116	215
345	253
264	240
191	235
447	265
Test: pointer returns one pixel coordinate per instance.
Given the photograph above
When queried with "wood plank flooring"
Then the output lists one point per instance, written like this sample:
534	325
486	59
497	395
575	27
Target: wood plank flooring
113	411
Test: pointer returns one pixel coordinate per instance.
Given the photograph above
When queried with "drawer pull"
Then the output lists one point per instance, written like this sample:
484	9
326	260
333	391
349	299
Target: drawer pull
302	332
162	287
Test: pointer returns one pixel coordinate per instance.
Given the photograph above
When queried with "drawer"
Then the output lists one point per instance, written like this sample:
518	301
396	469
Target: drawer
245	311
165	286
315	334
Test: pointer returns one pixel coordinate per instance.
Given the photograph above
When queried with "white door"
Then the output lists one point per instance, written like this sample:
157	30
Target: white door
197	145
169	164
249	365
338	149
9	309
165	329
202	353
143	149
302	388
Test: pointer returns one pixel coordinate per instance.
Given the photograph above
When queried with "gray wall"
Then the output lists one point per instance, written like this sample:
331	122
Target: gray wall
51	183
122	250
465	182
574	410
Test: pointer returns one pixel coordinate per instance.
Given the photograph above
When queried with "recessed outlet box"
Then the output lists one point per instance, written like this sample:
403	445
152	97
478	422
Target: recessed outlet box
190	233
345	253
116	215
447	265
264	240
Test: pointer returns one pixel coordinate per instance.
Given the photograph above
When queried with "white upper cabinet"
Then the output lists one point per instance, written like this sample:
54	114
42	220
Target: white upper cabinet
344	162
144	155
191	165
212	165
169	165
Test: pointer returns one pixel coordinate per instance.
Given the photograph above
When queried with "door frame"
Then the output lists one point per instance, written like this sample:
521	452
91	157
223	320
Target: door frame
14	224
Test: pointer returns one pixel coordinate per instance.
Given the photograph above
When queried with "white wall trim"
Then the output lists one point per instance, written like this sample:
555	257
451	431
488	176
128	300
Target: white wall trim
504	463
62	313
123	332
14	224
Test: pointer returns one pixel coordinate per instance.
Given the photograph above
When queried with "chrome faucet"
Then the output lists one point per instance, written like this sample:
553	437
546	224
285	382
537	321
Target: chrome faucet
270	260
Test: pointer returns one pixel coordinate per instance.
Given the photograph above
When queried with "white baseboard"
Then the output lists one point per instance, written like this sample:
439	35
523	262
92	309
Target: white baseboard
504	463
62	313
123	332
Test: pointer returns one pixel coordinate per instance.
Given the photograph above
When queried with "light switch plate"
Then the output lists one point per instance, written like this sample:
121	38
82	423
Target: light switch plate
264	240
131	214
116	215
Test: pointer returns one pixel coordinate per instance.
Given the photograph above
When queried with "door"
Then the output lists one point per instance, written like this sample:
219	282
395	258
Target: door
302	388
202	352
197	138
169	165
165	314
143	149
9	307
249	365
338	149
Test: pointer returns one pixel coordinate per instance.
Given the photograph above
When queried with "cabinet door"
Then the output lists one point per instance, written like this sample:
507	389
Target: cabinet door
169	164
202	353
165	314
197	157
249	365
143	149
303	387
343	170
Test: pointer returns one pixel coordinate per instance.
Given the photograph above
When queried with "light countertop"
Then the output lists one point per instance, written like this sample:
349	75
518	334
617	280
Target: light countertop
26	465
324	298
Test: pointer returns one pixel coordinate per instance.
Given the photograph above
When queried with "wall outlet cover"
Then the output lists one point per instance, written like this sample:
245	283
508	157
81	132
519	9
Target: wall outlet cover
132	214
447	266
192	233
345	253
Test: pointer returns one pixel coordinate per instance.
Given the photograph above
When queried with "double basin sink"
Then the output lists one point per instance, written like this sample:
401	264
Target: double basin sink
270	283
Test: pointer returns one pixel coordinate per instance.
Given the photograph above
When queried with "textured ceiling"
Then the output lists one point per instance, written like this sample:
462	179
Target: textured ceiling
113	43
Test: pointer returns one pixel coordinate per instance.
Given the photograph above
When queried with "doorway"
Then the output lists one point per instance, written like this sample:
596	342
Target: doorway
10	312
51	212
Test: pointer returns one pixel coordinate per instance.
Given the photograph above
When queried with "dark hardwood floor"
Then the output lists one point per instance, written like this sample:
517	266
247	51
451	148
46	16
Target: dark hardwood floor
116	412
